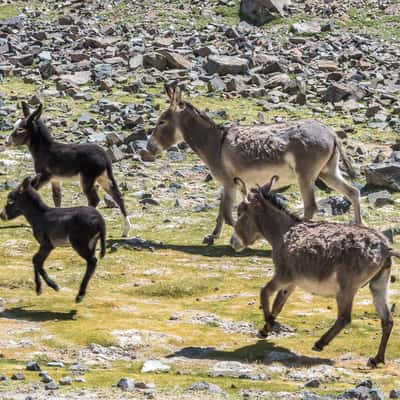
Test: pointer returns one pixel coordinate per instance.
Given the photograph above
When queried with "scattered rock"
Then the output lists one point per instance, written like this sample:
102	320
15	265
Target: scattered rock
154	366
126	384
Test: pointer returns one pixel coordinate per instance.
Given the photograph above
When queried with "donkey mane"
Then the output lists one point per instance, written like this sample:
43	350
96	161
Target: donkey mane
41	127
205	117
276	201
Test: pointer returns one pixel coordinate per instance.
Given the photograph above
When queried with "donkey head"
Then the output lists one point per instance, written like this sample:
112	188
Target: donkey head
12	209
246	228
23	127
167	131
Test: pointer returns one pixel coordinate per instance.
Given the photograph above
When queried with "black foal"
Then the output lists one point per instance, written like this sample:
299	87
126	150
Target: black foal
80	227
55	162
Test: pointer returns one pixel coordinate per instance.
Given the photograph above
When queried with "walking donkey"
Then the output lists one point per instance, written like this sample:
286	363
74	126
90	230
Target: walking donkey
299	151
323	258
54	162
80	227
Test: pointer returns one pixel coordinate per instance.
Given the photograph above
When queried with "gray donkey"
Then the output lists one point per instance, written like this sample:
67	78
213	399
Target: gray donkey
323	258
298	151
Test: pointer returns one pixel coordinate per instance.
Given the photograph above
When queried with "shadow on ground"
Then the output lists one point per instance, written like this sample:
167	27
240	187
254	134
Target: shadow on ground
15	226
262	351
21	313
203	250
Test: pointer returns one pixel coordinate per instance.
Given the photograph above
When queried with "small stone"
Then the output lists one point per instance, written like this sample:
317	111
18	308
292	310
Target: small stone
380	199
57	364
33	366
311	27
18	376
67	380
154	366
394	394
205	386
313	383
51	386
126	384
45	378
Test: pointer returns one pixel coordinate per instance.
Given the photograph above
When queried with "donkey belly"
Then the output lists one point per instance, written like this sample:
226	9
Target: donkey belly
327	287
263	173
65	178
60	241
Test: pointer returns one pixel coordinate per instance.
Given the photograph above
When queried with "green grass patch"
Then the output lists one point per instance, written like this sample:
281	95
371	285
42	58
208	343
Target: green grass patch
176	289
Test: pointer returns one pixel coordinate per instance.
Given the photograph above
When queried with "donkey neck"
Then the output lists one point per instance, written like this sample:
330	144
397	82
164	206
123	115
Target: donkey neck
202	135
40	139
33	207
273	223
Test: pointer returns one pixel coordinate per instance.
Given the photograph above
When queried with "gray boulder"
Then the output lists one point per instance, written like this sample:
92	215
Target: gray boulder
223	65
261	11
386	175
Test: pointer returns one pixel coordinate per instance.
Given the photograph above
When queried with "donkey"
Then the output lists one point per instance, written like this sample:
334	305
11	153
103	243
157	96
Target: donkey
323	258
80	227
299	151
54	162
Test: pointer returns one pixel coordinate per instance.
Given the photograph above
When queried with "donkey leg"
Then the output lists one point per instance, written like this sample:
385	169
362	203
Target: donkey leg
224	214
38	260
91	264
281	299
333	178
112	189
90	191
266	292
57	195
379	289
86	251
344	301
308	196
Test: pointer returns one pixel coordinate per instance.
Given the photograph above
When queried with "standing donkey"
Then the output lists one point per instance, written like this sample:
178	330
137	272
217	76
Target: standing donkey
298	151
54	162
324	258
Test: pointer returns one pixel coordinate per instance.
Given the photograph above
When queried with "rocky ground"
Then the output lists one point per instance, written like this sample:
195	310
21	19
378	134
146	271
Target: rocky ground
167	317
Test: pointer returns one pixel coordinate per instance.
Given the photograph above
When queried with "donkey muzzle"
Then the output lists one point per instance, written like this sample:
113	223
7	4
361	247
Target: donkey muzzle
3	215
153	148
236	243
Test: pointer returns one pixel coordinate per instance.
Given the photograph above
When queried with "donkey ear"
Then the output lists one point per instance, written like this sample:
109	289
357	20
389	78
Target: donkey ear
169	90
36	114
267	188
25	109
178	95
242	187
25	184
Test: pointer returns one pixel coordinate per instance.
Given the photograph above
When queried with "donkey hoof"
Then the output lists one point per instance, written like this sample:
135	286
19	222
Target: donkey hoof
56	288
373	362
208	240
39	291
317	347
262	334
79	298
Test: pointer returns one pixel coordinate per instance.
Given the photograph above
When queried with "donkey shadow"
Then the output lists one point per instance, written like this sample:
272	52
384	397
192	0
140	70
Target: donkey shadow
263	352
203	250
22	314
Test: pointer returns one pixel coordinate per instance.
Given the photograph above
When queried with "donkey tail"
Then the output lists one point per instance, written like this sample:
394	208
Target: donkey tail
110	173
345	158
102	229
